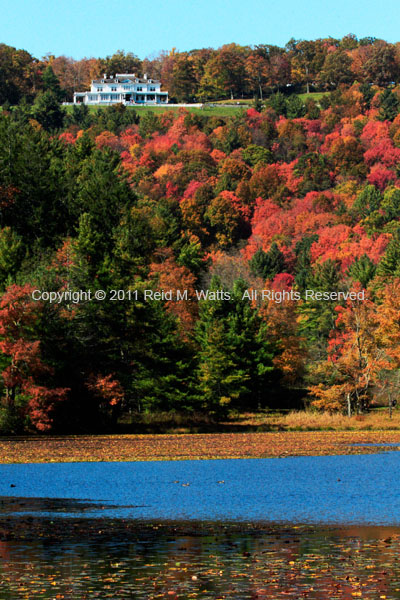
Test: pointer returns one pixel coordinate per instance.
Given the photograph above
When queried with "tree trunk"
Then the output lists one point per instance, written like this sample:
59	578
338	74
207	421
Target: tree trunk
348	405
10	398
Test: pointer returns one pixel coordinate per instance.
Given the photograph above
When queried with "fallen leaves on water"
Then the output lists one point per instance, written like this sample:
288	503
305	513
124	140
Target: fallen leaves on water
191	446
219	561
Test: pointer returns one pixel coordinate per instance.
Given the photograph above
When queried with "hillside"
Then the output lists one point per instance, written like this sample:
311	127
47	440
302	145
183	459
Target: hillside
299	202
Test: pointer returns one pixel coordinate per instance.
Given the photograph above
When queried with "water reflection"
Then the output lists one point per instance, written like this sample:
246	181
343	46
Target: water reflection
74	559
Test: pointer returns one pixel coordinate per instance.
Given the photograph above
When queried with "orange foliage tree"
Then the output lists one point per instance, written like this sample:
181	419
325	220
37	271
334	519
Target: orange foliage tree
171	276
354	359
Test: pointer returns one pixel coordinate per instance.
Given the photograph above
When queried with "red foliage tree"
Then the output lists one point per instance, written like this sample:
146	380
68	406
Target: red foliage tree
107	388
18	315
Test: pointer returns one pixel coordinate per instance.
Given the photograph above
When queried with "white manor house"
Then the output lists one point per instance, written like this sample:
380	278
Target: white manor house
123	88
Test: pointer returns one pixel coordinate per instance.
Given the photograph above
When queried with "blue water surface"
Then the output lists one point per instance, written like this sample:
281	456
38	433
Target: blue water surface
361	489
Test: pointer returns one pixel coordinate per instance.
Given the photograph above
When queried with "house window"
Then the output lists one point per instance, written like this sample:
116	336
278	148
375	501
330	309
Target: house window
139	89
100	89
113	89
152	89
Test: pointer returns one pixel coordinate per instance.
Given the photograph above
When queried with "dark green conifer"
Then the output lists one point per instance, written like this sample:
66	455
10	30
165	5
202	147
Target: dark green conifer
268	264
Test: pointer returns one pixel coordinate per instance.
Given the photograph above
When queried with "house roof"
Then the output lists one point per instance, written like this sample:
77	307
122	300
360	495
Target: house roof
132	79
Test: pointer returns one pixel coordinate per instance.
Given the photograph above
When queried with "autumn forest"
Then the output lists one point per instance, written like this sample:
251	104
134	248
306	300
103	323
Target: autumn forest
299	190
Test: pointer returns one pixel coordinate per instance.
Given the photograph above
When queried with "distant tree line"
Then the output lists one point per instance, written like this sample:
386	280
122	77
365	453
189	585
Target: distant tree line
232	71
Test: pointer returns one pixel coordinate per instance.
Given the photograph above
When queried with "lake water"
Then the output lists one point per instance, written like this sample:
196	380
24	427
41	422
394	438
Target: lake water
363	489
309	527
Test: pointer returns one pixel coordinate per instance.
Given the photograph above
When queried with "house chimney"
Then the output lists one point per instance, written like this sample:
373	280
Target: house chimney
145	76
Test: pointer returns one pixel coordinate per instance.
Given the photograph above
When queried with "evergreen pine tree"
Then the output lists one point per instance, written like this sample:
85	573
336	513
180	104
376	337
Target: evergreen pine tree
268	264
389	106
11	254
303	265
367	202
318	317
52	84
235	356
362	270
80	116
48	112
295	107
32	164
390	263
391	204
278	103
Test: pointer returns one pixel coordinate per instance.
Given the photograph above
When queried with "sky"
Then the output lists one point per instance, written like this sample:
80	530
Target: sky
85	28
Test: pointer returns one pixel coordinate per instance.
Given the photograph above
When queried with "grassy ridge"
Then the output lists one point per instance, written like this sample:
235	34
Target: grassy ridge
212	111
316	96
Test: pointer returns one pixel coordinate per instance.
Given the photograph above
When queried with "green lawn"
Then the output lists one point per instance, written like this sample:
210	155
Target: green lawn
217	111
212	111
316	96
234	102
